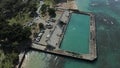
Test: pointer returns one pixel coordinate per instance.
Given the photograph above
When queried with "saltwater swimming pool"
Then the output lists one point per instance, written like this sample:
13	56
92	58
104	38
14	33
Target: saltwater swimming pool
76	38
107	39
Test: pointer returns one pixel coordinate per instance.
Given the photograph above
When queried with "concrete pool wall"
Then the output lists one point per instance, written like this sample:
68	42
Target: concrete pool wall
92	43
77	33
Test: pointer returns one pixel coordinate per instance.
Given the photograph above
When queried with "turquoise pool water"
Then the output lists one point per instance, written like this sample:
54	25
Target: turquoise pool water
76	38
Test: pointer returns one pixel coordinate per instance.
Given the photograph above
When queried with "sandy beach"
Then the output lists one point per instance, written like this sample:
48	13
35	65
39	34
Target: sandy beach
72	5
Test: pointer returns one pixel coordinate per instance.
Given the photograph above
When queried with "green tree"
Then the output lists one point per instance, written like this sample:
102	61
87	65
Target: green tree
4	30
10	60
41	26
52	12
14	38
43	9
15	33
26	32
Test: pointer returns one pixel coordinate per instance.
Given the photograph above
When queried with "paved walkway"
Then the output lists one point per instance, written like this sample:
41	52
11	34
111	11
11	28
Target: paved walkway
56	36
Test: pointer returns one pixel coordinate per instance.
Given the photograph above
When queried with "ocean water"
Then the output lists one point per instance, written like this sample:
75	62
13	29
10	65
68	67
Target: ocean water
83	5
107	14
76	38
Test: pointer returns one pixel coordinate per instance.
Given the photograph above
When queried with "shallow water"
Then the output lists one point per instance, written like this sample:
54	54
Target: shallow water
37	59
108	37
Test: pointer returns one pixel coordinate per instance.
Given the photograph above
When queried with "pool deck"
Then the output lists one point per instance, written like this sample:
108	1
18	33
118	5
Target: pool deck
55	38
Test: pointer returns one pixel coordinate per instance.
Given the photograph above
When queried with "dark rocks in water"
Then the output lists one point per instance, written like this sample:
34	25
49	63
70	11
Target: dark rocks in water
106	19
56	62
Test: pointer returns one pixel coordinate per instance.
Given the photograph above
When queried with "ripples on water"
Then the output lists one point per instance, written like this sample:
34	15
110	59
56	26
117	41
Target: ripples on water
108	37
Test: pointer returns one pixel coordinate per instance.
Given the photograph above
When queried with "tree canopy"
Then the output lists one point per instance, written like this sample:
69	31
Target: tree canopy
51	12
44	9
14	38
10	8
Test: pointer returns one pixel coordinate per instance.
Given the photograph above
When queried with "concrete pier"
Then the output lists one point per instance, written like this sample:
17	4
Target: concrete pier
61	52
55	48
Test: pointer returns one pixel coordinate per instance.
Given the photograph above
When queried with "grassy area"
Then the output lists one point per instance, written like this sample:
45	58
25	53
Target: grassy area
6	61
38	4
49	2
2	56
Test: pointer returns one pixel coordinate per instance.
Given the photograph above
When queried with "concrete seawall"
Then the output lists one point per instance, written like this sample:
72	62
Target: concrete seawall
92	42
57	51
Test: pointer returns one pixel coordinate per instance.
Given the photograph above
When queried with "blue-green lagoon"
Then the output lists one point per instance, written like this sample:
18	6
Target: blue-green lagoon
76	38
